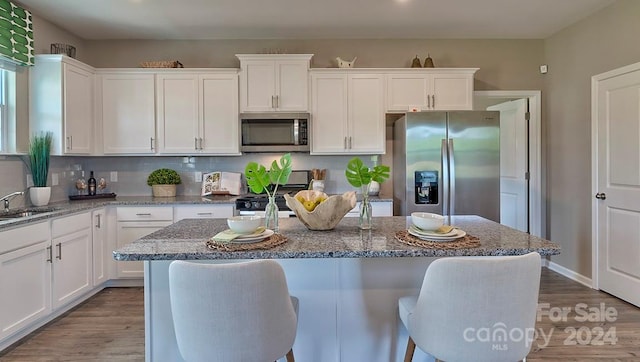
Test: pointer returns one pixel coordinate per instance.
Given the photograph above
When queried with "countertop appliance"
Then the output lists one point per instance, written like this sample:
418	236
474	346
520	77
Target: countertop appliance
254	204
275	132
447	163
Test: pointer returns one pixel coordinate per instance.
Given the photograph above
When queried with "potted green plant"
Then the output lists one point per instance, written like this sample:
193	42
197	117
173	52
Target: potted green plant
360	175
163	182
39	158
260	180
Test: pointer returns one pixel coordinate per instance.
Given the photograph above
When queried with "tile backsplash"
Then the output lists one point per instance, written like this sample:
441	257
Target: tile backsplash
132	172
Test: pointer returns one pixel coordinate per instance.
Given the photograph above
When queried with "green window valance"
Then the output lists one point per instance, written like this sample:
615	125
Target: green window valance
16	33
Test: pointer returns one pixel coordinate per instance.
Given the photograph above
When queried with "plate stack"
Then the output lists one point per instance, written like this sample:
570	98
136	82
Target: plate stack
430	227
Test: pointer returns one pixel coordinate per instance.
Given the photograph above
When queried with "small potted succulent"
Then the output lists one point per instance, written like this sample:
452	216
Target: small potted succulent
163	182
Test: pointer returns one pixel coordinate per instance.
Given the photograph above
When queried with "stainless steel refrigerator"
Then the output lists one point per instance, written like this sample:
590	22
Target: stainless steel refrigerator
447	163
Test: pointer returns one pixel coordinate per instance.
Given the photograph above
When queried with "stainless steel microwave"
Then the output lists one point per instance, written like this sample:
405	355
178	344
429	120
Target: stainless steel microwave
275	132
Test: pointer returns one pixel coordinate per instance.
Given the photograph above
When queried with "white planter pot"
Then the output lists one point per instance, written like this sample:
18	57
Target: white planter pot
164	190
40	195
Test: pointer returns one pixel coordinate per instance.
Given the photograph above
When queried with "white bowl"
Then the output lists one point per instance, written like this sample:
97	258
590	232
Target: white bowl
427	220
244	224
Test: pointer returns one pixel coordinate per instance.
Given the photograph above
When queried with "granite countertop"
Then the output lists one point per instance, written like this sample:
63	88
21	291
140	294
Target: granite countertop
57	209
185	240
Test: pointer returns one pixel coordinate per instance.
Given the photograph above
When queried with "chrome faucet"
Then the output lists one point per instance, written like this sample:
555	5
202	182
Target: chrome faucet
6	199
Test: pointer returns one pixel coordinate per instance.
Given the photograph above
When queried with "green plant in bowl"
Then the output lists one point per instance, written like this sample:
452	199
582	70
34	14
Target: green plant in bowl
164	176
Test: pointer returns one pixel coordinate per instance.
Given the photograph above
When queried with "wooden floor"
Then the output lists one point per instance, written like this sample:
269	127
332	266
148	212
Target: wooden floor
110	327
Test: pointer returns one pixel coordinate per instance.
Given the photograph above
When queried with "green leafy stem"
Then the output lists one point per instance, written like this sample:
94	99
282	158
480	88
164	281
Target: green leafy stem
260	180
358	174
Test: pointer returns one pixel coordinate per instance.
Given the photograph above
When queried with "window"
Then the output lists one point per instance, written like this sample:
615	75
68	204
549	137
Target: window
3	111
7	111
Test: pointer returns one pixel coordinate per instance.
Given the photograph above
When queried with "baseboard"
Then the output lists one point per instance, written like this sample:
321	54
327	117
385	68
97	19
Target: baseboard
587	282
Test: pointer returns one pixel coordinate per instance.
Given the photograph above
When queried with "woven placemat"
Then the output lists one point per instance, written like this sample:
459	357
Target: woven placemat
465	242
268	243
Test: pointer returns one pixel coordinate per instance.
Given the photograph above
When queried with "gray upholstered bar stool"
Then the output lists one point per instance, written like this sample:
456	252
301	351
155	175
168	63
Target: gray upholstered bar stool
232	312
474	309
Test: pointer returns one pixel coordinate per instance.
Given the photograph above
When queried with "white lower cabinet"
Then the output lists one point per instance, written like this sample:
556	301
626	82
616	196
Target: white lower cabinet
134	223
72	258
378	208
100	246
25	277
219	211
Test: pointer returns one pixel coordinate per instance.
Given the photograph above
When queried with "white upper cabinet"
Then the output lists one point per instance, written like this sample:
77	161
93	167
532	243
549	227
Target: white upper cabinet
430	89
348	112
61	101
127	112
198	112
274	82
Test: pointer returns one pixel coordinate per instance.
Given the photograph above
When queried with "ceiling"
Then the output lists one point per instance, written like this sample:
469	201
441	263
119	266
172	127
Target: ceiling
313	19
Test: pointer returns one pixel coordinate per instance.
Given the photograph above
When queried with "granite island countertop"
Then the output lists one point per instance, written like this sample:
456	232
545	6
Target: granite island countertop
185	240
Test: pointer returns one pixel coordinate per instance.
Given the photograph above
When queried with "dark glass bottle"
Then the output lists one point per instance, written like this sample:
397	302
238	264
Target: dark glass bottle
92	184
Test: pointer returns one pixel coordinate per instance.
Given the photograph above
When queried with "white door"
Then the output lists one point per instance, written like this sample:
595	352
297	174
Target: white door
128	113
616	181
78	109
219	112
366	114
329	109
177	109
72	267
513	163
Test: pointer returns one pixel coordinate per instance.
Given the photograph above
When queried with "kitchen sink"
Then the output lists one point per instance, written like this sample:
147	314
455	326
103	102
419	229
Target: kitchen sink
20	213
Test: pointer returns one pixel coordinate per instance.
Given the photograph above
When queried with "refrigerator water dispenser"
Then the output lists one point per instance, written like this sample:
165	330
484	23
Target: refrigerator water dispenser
426	187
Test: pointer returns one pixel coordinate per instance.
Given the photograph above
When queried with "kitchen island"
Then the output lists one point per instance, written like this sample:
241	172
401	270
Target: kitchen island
348	280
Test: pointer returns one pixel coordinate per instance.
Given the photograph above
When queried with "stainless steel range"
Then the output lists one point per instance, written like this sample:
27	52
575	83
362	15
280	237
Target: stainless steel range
254	204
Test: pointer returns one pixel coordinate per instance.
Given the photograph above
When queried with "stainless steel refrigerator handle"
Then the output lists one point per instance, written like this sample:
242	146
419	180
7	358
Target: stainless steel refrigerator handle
445	177
452	179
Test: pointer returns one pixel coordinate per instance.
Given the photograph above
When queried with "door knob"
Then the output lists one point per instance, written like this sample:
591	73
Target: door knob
601	196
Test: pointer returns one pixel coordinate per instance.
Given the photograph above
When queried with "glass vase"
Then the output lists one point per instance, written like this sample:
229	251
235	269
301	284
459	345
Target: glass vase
365	209
271	214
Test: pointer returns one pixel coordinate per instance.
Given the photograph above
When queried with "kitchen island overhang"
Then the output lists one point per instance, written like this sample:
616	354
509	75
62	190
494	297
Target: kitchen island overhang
185	240
348	280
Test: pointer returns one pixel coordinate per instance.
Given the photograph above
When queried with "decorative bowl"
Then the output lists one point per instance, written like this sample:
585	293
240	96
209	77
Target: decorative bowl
326	214
427	220
244	224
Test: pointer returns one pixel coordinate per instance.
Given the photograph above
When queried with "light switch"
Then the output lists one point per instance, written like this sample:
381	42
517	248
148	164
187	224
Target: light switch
113	176
544	69
198	176
54	179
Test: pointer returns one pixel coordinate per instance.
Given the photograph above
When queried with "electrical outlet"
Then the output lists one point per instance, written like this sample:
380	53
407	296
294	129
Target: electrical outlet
113	176
54	179
544	69
29	180
198	176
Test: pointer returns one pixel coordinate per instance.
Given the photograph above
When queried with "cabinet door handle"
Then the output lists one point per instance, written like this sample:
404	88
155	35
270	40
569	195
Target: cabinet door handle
349	142
428	101
345	143
68	143
59	257
205	214
50	252
195	143
98	223
277	101
273	101
143	214
71	138
433	100
201	139
151	142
